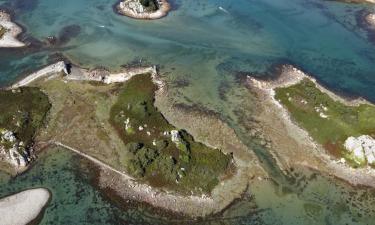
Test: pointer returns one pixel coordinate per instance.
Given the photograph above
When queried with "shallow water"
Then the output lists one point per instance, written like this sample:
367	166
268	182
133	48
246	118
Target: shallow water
205	46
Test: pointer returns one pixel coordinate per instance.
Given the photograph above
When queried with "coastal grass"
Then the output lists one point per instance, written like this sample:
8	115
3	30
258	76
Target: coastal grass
23	112
328	121
150	154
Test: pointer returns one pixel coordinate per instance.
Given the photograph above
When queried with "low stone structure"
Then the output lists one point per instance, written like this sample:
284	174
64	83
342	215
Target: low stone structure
59	67
136	9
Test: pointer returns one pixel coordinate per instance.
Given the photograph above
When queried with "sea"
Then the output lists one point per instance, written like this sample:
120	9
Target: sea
203	49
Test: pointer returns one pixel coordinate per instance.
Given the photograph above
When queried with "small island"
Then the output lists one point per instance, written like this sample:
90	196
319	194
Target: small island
324	131
9	32
143	9
344	128
111	119
24	207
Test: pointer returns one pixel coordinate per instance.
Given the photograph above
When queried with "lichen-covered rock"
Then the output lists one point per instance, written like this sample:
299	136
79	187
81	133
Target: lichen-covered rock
362	148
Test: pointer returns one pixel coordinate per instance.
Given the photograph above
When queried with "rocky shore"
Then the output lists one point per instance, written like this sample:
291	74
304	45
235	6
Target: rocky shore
107	77
9	32
24	207
137	9
296	147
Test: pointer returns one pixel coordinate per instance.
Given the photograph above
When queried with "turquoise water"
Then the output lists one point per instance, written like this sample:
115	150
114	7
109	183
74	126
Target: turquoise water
205	46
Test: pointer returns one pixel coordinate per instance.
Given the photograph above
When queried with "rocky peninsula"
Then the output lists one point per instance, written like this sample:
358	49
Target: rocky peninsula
9	32
24	207
143	9
324	131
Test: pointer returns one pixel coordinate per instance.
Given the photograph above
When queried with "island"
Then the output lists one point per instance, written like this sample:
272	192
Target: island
112	119
9	32
323	130
24	207
143	9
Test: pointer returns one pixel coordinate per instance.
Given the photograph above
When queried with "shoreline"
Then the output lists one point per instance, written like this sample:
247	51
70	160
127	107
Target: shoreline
164	7
12	31
24	207
304	151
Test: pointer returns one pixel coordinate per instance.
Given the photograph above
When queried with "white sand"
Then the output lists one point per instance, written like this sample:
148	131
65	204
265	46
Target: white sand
9	39
23	207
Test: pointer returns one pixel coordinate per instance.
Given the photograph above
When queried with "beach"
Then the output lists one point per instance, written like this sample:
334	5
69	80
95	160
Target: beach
22	208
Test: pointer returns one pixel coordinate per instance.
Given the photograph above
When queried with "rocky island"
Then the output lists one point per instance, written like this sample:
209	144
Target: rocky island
143	9
9	32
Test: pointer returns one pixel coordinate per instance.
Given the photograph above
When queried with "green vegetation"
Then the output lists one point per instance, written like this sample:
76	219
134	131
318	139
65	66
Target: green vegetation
155	150
328	121
23	112
2	31
150	5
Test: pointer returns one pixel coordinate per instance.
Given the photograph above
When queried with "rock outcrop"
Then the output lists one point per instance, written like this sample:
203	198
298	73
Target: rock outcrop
13	150
362	148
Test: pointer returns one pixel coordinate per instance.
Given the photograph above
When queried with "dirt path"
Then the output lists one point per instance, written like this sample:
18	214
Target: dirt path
97	161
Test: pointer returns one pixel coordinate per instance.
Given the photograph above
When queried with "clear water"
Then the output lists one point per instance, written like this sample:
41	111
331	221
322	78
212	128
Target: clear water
200	43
